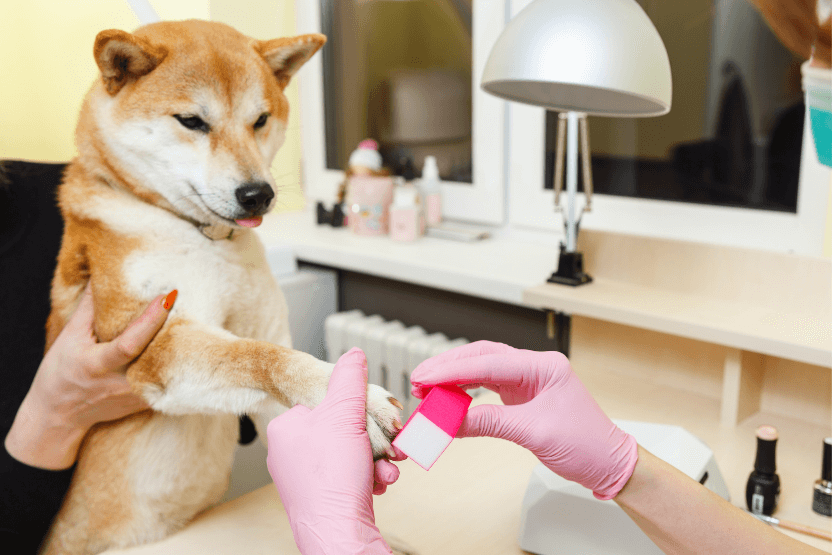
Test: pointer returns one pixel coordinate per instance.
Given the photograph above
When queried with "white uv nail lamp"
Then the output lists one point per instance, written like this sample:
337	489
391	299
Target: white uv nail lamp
560	516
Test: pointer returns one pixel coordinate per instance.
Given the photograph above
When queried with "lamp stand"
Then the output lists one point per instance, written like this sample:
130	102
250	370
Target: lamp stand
570	269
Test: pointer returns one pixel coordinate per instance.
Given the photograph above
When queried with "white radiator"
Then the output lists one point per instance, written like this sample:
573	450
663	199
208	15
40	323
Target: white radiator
393	351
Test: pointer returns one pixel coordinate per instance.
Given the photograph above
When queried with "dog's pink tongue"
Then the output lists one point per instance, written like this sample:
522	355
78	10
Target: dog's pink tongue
250	222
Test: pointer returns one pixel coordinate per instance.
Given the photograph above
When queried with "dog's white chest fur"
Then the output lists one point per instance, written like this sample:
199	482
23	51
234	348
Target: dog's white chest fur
224	283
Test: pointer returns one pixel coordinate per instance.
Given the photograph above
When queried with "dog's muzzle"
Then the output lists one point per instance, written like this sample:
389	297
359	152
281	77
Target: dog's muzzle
255	197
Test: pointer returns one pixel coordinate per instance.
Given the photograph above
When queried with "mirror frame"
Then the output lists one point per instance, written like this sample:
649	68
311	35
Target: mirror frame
483	200
532	206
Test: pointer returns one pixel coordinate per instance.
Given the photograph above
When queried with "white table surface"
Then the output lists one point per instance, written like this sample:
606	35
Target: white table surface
499	268
469	502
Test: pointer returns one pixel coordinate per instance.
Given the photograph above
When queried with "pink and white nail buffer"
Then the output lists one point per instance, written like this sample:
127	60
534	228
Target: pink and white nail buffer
433	425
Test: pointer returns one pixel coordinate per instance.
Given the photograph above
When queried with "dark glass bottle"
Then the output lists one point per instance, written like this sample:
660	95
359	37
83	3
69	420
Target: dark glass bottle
763	489
822	495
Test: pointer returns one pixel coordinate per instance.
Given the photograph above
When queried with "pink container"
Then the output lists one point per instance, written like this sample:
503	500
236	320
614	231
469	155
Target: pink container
369	204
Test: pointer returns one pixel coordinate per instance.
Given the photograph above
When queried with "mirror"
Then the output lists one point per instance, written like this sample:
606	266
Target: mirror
733	136
399	71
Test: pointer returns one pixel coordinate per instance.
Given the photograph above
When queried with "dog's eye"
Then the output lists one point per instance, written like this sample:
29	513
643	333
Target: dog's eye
195	123
261	121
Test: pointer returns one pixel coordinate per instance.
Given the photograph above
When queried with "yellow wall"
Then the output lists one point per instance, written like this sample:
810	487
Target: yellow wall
47	67
265	19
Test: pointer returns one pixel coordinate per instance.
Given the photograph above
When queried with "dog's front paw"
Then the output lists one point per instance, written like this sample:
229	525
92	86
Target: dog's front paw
383	420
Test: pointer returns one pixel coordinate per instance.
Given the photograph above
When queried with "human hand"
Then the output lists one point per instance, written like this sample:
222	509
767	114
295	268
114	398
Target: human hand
79	383
322	464
796	24
548	411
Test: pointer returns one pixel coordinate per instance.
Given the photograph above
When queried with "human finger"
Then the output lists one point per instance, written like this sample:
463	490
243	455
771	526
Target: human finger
286	420
385	472
349	379
133	340
501	369
477	348
420	391
490	421
82	319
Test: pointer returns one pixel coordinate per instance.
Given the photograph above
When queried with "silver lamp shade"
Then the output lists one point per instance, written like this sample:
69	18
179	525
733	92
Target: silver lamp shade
599	57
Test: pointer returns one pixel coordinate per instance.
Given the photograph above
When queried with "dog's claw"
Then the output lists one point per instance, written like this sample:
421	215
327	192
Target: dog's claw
383	420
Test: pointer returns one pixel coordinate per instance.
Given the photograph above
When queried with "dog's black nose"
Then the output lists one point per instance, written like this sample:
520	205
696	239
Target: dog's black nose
255	196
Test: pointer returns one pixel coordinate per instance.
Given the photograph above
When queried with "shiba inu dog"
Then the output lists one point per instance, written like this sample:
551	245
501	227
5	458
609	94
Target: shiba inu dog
175	143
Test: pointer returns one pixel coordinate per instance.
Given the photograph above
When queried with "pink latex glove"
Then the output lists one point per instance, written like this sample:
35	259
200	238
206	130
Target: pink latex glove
548	411
322	464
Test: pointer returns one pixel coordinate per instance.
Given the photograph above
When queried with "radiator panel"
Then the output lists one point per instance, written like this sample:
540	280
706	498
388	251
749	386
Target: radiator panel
393	350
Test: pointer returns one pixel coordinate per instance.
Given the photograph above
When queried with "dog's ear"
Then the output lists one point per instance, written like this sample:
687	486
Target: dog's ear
122	57
286	55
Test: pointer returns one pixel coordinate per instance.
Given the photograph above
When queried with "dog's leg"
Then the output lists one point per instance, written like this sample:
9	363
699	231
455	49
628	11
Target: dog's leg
190	368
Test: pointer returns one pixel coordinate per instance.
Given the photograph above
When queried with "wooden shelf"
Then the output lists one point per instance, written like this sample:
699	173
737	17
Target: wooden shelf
802	337
750	302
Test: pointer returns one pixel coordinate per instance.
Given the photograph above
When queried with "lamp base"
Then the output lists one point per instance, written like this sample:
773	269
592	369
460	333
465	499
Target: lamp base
570	269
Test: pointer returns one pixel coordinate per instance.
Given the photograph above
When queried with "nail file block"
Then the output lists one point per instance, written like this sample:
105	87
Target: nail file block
433	424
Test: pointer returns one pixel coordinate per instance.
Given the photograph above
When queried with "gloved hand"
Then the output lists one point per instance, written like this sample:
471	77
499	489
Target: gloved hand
548	411
322	464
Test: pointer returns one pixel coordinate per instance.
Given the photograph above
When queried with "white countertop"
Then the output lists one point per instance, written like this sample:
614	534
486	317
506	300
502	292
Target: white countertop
470	501
499	268
512	267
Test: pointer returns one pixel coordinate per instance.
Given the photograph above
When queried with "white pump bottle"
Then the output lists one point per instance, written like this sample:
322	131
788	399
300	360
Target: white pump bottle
431	191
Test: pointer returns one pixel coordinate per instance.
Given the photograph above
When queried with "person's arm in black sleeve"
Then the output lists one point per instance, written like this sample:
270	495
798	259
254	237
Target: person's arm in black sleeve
30	235
30	500
49	402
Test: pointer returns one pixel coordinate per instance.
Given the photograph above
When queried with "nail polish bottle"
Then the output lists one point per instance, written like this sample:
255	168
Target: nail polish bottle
763	488
822	497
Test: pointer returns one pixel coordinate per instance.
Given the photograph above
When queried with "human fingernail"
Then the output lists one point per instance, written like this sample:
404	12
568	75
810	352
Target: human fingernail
167	302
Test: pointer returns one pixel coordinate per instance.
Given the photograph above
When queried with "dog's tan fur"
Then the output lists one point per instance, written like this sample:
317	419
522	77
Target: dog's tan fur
132	203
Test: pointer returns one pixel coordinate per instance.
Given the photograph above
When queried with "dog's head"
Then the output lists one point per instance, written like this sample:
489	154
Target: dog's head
190	115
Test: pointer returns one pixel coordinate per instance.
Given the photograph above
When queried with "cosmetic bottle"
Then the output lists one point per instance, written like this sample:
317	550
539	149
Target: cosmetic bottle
369	203
406	220
431	191
822	497
763	488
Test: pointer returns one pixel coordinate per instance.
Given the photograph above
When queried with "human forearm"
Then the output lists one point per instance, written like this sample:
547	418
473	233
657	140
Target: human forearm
41	439
31	498
681	516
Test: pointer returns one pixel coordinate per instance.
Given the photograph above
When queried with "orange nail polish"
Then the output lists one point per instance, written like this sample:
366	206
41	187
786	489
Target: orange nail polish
168	301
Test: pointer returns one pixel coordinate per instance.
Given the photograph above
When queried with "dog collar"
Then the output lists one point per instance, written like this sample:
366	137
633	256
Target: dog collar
216	232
